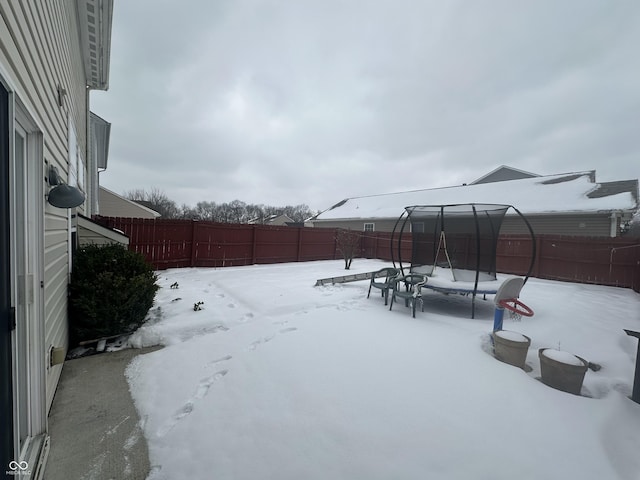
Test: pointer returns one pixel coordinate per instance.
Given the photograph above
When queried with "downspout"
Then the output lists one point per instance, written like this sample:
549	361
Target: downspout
613	231
91	185
475	284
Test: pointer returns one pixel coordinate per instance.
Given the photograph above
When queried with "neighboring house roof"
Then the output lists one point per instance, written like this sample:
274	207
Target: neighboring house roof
95	21
503	173
564	193
281	219
113	205
614	188
146	204
92	232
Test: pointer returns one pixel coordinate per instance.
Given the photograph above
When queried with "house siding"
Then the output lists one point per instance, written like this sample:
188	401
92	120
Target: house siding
380	224
597	225
580	225
40	50
112	205
91	233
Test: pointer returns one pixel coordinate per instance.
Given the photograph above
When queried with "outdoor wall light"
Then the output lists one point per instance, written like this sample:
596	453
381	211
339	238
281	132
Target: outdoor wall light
62	195
61	94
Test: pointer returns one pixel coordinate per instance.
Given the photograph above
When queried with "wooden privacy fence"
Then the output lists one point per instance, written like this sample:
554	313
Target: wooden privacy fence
189	243
597	260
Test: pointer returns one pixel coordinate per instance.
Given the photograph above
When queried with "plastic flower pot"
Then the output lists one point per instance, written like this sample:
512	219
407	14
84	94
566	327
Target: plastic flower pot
562	370
511	347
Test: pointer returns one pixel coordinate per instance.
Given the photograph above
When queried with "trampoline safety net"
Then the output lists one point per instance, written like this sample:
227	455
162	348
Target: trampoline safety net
462	238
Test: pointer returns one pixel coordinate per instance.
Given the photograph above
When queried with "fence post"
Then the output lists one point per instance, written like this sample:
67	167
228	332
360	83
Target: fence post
299	244
253	244
194	246
151	250
375	244
536	265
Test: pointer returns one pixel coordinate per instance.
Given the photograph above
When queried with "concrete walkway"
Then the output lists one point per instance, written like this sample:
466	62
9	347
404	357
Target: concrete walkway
95	430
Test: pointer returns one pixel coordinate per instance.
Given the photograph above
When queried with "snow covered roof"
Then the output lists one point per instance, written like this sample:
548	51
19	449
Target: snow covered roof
502	173
564	193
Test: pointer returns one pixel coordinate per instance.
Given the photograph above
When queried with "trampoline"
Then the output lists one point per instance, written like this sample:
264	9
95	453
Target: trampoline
455	245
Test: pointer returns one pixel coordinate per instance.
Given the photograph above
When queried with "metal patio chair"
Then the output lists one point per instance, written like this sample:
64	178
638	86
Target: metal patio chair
409	288
383	279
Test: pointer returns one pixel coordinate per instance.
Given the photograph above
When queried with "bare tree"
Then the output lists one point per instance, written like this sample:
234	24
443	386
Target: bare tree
206	211
348	242
188	213
155	199
298	213
235	211
238	212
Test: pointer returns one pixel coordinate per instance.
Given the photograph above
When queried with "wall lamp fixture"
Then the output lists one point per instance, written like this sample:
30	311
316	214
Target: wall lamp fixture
61	94
62	195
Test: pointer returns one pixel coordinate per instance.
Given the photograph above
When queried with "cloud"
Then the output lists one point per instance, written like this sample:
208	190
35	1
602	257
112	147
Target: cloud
308	102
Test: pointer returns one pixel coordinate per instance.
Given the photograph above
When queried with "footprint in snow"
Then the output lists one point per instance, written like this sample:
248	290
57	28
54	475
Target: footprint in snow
166	427
260	341
201	392
221	359
205	384
255	344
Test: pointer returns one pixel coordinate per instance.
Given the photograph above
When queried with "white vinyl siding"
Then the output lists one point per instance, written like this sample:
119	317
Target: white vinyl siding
113	205
381	225
598	225
39	52
91	233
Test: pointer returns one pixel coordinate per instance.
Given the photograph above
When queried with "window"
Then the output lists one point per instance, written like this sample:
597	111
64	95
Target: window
76	162
369	227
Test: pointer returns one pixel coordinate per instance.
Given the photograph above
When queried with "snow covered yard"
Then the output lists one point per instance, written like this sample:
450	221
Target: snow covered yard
277	379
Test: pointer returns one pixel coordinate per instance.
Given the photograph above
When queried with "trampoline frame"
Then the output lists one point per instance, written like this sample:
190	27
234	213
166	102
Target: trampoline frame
406	215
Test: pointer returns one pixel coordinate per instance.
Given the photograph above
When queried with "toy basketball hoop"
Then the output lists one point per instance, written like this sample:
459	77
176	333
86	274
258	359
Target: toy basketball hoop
516	308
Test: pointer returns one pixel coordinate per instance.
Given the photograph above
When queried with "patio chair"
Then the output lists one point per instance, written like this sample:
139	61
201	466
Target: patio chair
383	279
409	288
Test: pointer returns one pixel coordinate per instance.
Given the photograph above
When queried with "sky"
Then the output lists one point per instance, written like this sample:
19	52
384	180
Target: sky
304	102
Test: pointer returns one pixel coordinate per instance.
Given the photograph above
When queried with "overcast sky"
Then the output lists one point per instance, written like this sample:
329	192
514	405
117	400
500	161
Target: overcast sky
294	101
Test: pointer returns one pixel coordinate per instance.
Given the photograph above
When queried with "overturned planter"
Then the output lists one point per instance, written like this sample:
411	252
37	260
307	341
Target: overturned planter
562	370
511	347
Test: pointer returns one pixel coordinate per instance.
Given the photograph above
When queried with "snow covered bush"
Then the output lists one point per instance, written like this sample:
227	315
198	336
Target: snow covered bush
111	291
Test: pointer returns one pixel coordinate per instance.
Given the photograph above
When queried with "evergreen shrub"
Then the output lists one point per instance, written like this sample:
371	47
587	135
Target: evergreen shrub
110	293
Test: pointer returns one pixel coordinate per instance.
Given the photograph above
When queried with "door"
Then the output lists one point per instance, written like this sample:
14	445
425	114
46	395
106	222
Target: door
6	318
27	336
24	289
